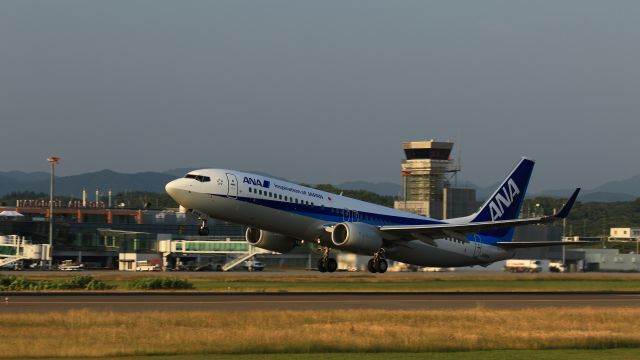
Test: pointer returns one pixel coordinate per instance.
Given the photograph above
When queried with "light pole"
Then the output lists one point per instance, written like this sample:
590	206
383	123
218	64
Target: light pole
53	160
564	237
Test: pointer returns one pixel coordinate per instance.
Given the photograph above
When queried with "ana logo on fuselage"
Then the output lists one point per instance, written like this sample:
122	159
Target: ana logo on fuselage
503	199
257	182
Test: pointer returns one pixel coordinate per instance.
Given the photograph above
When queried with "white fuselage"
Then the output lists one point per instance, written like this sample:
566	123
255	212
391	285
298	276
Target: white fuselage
304	213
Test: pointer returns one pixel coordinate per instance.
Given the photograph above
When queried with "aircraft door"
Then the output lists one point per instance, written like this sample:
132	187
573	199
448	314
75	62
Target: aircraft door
232	182
477	246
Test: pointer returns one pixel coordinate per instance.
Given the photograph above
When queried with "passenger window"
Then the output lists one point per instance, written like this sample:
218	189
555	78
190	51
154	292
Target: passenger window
286	198
280	196
249	189
296	201
260	192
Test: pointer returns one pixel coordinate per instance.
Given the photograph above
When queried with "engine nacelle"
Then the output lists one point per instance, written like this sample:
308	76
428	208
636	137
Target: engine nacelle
359	238
269	241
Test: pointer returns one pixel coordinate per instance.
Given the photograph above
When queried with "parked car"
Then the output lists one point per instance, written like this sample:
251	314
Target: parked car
146	266
69	265
557	266
253	265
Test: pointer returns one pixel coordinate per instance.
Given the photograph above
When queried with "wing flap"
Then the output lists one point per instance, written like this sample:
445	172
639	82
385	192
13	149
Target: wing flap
530	244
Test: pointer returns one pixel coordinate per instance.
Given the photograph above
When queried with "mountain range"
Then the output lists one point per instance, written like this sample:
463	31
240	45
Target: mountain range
10	181
73	185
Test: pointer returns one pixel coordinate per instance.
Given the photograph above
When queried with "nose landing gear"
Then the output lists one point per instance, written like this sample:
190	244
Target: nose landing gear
204	229
202	217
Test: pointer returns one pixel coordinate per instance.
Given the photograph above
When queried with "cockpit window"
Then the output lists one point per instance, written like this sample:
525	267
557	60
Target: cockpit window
198	177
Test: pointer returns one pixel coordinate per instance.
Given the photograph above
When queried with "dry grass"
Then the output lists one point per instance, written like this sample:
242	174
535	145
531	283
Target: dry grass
86	333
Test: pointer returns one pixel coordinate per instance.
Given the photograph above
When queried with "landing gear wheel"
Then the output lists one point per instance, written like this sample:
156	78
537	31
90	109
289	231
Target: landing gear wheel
322	266
382	266
332	265
371	266
204	229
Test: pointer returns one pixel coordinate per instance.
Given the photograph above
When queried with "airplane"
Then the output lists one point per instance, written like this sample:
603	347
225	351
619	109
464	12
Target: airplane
280	215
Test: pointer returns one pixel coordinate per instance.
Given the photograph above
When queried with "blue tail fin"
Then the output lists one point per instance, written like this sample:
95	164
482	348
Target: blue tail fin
506	202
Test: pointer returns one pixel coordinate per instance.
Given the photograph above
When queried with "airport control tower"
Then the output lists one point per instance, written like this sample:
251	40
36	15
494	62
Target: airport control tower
426	188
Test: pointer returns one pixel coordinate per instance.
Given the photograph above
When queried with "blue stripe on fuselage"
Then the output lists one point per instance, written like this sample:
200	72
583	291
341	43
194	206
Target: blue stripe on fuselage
336	215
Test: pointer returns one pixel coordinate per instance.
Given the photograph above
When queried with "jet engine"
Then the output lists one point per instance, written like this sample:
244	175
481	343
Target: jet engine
270	241
359	238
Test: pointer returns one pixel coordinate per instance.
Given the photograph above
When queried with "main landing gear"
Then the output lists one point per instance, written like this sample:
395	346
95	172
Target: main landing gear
378	264
204	229
326	263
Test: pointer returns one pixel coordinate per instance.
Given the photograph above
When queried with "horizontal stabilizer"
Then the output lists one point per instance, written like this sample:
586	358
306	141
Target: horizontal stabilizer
566	209
446	229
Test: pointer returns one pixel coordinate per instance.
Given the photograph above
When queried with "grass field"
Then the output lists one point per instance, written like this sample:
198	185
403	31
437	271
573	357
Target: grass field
402	282
609	354
178	334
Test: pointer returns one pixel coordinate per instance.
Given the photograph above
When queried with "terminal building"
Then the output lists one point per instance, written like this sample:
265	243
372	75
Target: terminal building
427	186
108	238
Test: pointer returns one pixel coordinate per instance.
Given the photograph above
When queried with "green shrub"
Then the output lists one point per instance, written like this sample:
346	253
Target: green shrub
159	283
98	285
75	283
20	284
6	281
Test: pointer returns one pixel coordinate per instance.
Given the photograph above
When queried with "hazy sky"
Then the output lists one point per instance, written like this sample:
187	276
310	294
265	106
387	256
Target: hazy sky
322	91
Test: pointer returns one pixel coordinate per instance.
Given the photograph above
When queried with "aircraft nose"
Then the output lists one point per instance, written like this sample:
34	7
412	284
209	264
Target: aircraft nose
171	188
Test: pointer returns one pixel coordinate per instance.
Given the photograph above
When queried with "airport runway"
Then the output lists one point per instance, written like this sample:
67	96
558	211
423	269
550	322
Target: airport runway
321	301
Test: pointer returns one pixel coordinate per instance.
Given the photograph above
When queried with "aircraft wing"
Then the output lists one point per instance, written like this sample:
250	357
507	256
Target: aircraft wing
459	230
530	244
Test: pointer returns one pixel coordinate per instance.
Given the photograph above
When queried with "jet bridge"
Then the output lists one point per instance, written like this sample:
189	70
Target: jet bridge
14	249
236	251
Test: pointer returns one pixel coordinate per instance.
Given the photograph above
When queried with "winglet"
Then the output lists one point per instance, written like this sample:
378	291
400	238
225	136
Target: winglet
564	212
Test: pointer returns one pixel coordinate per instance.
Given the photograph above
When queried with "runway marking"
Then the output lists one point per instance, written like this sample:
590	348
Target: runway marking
236	302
